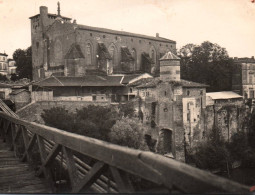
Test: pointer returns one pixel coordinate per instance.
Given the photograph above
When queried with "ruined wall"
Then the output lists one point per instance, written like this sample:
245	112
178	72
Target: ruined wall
225	119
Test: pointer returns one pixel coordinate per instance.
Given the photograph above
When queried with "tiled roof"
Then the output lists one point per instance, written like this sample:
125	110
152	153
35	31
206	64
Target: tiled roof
103	52
15	92
170	56
123	33
89	80
244	60
128	78
151	83
3	54
126	55
223	95
74	52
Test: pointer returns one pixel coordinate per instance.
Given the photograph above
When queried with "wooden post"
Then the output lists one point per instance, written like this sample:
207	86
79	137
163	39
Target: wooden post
46	170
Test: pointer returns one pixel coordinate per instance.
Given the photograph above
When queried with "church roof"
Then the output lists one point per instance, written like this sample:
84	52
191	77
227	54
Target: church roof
52	15
126	55
74	52
3	54
123	33
170	56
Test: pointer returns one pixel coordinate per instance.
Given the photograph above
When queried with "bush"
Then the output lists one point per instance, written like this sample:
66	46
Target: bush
128	132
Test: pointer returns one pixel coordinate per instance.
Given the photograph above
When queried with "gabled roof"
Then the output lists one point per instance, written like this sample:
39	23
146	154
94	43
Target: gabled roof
123	33
5	85
74	52
170	56
89	80
126	55
103	52
224	95
147	57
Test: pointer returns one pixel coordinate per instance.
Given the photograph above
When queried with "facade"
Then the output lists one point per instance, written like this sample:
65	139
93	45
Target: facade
243	79
64	48
7	66
174	108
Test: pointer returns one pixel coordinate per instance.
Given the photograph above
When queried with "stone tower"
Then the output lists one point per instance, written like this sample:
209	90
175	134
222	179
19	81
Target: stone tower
170	67
40	41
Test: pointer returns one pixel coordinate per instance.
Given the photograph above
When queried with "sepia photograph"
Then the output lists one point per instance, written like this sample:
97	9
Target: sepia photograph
127	96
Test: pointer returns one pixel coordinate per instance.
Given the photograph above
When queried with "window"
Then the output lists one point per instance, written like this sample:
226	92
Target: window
94	97
103	36
113	53
116	38
140	41
149	43
91	34
201	92
166	45
160	44
133	53
89	56
188	93
165	93
130	90
132	40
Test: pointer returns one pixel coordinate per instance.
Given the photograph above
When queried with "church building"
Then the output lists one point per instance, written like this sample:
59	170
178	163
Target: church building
61	47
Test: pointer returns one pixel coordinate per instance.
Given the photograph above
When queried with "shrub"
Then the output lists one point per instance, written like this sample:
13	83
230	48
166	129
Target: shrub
128	132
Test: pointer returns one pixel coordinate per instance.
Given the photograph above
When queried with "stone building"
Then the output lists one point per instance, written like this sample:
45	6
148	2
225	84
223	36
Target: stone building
243	77
174	108
64	48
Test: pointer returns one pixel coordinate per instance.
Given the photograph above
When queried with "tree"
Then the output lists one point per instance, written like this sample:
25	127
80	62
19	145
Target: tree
207	63
23	60
3	77
129	132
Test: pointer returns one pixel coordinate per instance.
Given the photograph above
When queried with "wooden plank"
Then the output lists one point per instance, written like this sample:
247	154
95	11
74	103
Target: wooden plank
18	132
162	171
124	184
90	177
71	168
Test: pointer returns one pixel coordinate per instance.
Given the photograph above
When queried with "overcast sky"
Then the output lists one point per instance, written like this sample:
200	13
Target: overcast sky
229	23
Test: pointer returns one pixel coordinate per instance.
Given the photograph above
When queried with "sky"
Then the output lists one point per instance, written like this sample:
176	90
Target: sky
229	23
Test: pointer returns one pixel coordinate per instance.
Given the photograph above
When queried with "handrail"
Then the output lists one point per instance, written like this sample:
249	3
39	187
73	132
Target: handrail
167	173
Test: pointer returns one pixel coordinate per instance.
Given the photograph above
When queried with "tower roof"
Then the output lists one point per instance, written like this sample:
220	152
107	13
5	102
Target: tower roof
170	56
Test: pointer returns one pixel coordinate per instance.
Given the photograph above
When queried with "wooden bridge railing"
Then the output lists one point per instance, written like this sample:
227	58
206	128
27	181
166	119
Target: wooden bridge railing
89	164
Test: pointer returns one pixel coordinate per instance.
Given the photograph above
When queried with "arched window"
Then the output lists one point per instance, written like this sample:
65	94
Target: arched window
113	53
153	54
1	66
134	55
89	54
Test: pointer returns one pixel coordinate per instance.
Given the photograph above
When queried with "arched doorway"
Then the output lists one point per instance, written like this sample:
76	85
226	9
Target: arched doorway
165	141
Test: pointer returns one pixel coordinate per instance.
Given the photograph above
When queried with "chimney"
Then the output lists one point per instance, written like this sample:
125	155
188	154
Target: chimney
157	34
44	16
252	57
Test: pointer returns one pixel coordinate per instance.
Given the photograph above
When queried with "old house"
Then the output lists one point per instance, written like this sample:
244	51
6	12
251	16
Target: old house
243	77
91	88
64	48
20	97
173	107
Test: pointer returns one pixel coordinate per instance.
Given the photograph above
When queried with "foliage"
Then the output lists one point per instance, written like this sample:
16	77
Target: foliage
211	155
92	121
59	118
128	132
23	60
207	63
3	77
14	77
127	110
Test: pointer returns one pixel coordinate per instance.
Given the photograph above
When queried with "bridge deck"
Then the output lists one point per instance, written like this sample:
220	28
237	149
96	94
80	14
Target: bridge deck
17	177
